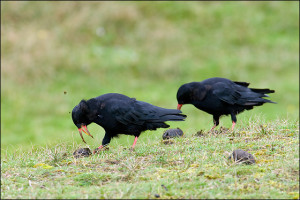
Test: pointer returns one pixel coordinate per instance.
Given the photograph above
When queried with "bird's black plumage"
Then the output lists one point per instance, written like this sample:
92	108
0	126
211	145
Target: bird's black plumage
220	96
119	114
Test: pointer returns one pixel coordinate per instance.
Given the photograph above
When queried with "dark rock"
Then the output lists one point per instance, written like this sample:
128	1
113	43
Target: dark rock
242	156
82	152
172	133
156	195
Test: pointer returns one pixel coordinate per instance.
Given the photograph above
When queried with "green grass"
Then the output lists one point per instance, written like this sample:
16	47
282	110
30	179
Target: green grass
190	167
56	53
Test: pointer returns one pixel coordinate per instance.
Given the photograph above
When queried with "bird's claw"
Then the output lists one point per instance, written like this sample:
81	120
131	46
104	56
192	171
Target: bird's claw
101	148
131	149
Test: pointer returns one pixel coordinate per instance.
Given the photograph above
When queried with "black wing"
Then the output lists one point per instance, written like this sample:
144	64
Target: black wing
226	93
240	95
139	113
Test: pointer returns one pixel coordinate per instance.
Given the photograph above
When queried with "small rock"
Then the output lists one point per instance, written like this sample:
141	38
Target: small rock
242	156
82	152
156	195
172	133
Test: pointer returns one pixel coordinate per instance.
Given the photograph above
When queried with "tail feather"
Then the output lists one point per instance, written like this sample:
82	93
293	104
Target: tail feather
156	125
154	114
245	84
257	102
165	114
172	117
254	97
262	91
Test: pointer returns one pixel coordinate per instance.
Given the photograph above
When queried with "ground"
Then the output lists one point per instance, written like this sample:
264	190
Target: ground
194	166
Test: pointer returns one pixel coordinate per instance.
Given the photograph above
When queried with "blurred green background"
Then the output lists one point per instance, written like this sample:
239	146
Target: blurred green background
56	53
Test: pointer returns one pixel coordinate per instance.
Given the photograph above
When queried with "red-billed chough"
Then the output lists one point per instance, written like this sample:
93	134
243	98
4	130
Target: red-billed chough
220	96
119	114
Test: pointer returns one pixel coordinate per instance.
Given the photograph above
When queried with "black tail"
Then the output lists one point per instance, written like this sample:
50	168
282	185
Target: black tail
169	115
153	113
173	116
262	91
255	97
245	84
257	102
163	116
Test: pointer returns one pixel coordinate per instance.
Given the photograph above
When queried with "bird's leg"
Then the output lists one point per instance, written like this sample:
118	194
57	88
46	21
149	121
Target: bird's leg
233	124
97	149
135	140
212	128
105	142
233	118
100	147
216	122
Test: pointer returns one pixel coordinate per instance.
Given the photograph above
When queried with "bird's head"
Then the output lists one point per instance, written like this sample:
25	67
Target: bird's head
80	118
183	96
191	93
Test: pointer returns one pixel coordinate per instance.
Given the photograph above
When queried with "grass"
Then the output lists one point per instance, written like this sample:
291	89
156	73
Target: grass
190	167
56	53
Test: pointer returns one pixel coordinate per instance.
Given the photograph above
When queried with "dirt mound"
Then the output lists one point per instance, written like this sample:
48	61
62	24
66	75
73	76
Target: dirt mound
240	156
172	133
82	152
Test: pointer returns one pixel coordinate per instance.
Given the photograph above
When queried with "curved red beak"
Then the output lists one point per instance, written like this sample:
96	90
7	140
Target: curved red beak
179	106
85	130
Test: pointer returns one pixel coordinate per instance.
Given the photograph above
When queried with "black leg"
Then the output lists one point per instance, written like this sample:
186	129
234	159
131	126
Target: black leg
105	141
216	121
233	118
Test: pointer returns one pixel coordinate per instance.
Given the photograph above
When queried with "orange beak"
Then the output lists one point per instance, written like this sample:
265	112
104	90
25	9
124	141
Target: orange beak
85	130
179	106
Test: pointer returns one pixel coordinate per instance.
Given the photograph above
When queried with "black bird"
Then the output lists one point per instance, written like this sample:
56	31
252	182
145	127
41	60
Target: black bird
220	96
119	114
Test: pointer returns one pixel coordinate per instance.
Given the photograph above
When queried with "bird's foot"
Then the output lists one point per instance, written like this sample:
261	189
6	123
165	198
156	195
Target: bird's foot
222	130
232	127
101	148
212	128
131	149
